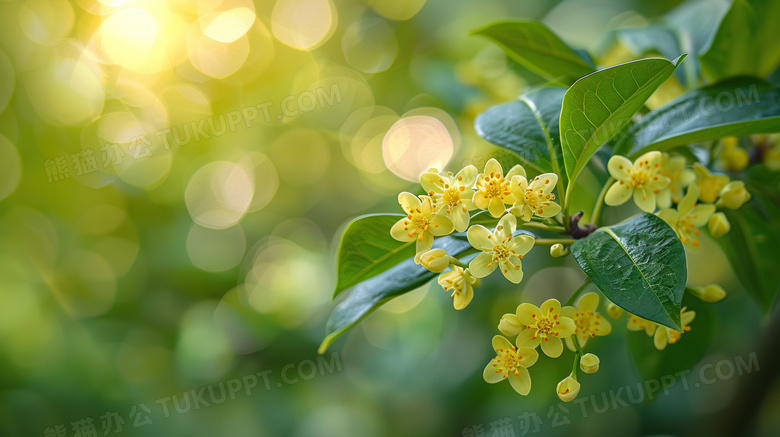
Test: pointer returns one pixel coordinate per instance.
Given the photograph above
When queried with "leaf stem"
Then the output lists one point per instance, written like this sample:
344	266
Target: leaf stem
577	293
542	227
551	241
595	217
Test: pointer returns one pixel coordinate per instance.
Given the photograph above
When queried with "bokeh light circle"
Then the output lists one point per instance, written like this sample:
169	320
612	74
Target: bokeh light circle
370	45
219	194
303	24
416	143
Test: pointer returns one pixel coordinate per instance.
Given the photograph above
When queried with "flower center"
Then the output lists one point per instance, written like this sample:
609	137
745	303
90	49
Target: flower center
496	186
639	178
507	361
501	253
545	326
451	197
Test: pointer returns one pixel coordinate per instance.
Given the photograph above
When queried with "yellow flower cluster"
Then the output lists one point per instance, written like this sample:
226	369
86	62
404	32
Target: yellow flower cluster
548	327
445	209
656	180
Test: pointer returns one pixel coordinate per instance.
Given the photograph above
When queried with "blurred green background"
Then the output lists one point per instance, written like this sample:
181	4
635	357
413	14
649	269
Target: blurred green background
173	180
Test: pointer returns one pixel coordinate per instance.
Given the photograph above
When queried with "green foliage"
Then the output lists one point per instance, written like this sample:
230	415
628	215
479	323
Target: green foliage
367	249
598	106
370	294
732	108
639	265
538	49
528	127
746	41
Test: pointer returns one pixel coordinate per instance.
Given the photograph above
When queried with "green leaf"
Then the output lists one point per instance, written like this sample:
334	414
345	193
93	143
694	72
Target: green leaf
367	249
733	108
538	49
598	106
367	296
528	127
639	265
746	41
677	357
751	248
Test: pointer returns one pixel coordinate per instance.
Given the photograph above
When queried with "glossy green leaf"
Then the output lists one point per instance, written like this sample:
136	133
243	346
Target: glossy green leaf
538	49
751	248
367	249
365	297
733	108
677	357
598	106
746	41
528	127
639	265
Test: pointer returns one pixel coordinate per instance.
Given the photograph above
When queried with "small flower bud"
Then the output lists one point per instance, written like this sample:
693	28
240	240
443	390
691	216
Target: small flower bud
589	363
614	311
711	293
558	250
510	325
568	389
435	260
733	195
719	225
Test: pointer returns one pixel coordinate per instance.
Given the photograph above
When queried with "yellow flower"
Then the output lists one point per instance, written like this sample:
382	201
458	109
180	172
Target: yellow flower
462	283
614	311
732	157
420	223
568	388
435	260
688	217
642	179
589	363
534	326
719	225
499	248
535	197
664	335
679	178
636	323
733	195
711	293
452	194
708	183
510	362
493	189
588	323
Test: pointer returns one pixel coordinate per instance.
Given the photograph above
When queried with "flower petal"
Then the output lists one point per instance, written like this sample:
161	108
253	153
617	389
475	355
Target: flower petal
687	202
460	218
565	328
605	327
664	198
424	244
506	226
546	182
493	167
661	338
618	193
500	343
513	270
430	182
480	237
518	185
528	356
552	347
551	307
670	216
467	176
409	202
399	232
440	225
588	302
527	339
644	199
479	265
517	170
480	200
522	244
549	211
496	207
463	298
491	375
528	314
701	214
521	382
619	167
